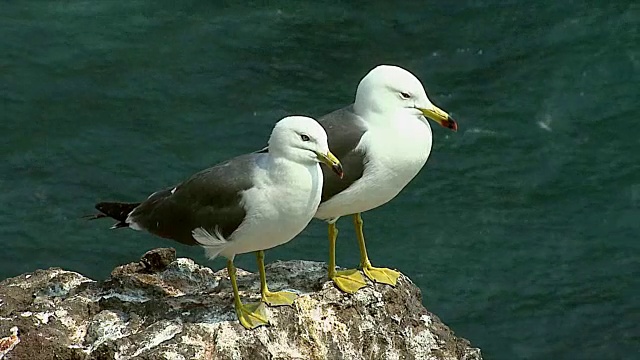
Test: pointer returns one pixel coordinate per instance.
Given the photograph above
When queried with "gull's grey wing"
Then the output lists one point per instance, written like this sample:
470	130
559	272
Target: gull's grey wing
210	199
344	130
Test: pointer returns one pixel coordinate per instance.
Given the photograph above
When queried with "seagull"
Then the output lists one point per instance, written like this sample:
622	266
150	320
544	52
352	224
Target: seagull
383	140
247	204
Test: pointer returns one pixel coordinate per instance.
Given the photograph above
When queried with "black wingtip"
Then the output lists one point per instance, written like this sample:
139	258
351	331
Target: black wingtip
116	210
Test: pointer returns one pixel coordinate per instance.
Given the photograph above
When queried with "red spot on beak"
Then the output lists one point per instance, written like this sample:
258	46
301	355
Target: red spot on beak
451	124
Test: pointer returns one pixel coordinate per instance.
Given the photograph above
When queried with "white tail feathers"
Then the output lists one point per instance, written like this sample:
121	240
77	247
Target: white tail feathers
132	224
213	243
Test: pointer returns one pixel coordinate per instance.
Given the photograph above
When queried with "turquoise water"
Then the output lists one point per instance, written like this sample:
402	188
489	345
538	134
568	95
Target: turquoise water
521	231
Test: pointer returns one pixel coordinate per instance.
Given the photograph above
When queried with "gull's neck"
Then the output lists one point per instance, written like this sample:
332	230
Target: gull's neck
399	119
281	168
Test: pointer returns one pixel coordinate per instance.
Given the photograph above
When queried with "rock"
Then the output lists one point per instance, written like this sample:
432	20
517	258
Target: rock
8	343
168	308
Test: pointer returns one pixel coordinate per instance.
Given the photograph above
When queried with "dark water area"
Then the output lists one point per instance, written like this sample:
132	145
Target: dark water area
522	230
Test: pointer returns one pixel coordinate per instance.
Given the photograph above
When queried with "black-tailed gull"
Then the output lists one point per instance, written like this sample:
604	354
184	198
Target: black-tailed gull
383	139
249	203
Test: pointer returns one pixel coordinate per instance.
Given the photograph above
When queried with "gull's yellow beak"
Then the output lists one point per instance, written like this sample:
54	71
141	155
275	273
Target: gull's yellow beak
438	115
331	161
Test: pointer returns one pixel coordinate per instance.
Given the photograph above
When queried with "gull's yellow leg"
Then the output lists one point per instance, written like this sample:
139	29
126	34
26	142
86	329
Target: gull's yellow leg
349	280
277	298
250	315
381	275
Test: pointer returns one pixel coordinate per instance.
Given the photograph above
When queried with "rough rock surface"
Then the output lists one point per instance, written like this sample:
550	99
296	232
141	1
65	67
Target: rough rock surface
168	308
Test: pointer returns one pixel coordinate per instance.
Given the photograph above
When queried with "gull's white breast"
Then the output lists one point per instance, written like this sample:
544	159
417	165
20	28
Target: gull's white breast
279	207
395	153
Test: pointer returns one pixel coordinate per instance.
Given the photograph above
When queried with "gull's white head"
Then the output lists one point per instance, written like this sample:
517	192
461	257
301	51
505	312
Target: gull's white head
389	89
303	140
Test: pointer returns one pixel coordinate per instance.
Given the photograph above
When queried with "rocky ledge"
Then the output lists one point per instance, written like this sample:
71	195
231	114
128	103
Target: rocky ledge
167	308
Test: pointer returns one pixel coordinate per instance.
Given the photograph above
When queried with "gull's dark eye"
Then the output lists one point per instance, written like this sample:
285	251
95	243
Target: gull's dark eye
304	137
405	95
